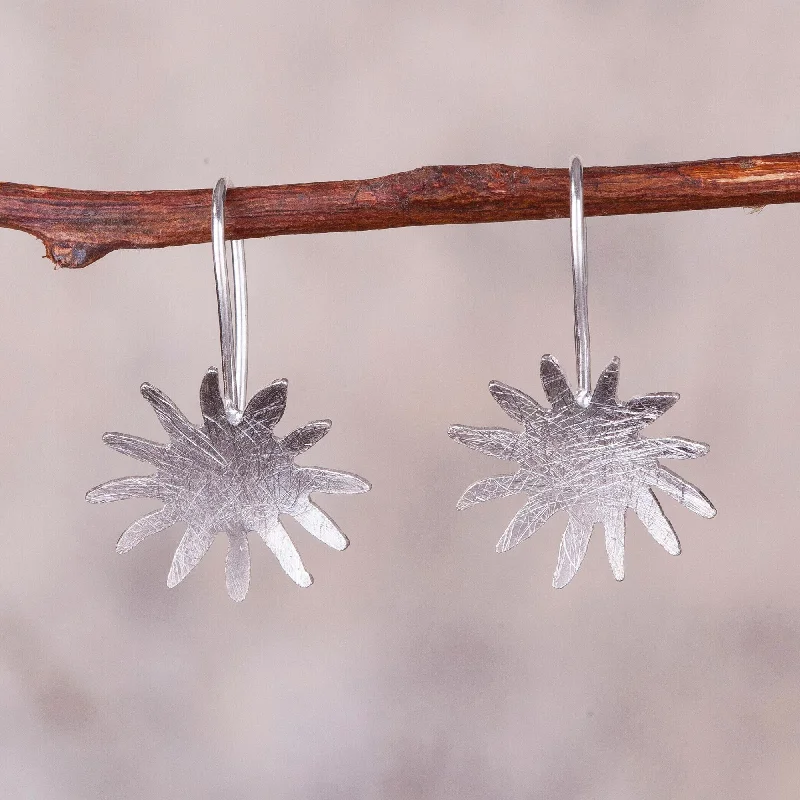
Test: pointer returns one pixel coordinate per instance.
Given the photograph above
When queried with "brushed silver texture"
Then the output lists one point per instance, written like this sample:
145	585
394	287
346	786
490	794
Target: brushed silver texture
589	461
235	479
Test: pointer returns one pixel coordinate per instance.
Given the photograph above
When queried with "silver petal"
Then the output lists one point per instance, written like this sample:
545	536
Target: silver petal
125	488
571	551
191	549
518	405
527	521
555	384
490	489
281	545
677	447
496	442
332	481
648	509
303	438
588	461
319	524
682	491
237	566
147	526
614	529
219	477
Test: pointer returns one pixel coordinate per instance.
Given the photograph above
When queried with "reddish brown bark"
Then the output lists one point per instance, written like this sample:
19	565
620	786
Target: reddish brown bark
79	227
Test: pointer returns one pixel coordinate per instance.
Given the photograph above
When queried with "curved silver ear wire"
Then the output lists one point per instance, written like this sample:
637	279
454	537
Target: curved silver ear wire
580	281
232	318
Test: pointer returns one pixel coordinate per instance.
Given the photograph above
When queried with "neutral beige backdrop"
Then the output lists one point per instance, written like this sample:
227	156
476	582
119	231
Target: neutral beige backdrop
421	664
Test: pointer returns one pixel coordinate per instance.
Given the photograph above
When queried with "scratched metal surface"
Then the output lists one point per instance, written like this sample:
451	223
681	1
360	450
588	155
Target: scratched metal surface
586	460
232	479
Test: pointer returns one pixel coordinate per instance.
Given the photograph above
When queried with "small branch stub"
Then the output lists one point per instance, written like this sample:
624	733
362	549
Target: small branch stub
79	227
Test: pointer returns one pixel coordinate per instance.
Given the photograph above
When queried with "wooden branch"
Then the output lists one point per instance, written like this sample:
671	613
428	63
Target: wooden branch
79	227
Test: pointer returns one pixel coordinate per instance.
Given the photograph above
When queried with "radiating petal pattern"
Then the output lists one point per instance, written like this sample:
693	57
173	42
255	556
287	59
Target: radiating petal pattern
232	479
589	461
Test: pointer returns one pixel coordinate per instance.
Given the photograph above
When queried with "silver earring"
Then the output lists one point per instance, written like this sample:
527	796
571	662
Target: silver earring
231	474
584	455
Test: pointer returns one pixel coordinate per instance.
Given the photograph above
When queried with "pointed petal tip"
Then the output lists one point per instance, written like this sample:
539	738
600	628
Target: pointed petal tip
364	486
172	580
237	593
124	545
305	581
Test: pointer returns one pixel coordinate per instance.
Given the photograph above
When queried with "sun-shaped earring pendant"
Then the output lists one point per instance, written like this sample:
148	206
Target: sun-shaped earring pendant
231	475
231	479
585	454
587	460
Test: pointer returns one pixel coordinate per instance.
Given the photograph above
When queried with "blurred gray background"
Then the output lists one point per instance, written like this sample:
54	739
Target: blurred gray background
421	664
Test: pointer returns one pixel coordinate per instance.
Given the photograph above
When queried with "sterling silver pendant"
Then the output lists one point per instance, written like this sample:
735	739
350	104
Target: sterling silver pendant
232	479
584	455
232	474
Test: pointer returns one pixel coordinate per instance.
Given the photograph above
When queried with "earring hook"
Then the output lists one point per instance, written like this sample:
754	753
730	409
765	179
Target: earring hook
232	318
580	281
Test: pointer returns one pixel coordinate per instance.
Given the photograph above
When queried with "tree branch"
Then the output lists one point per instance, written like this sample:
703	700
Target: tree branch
79	227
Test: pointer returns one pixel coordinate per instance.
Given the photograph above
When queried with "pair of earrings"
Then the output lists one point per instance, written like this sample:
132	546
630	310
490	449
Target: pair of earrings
233	475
